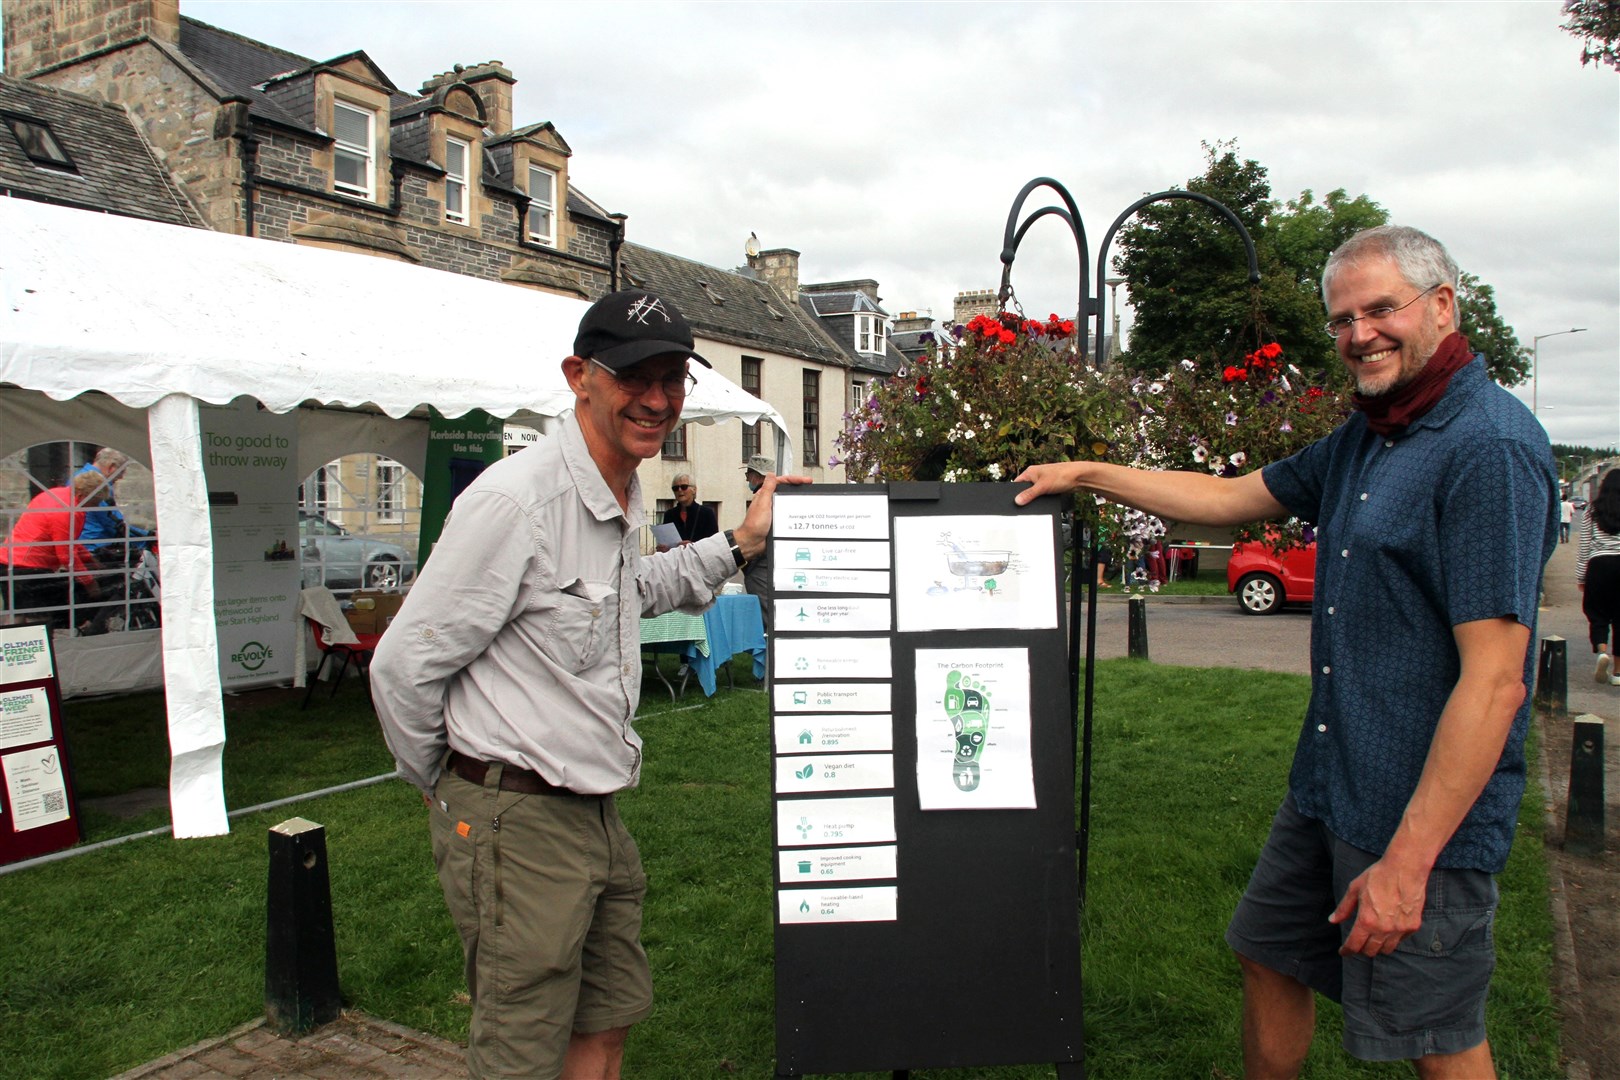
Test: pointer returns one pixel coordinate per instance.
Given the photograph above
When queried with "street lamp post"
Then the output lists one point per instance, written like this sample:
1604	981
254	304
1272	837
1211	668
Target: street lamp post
1113	284
1535	362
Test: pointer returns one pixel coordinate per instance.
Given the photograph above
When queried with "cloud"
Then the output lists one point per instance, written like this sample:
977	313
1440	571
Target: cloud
888	140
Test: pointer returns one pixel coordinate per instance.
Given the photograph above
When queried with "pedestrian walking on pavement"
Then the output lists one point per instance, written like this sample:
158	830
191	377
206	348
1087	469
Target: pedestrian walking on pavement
1597	572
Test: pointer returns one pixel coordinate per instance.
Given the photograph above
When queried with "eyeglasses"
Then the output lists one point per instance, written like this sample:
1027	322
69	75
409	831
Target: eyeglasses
634	383
1335	327
680	487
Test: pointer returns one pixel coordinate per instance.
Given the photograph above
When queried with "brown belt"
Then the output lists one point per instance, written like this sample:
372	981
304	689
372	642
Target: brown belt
512	778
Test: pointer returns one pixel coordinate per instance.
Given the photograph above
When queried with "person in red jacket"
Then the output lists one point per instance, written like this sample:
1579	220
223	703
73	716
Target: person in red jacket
43	564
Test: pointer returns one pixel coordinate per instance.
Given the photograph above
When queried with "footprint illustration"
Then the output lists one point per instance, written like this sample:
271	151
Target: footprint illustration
967	705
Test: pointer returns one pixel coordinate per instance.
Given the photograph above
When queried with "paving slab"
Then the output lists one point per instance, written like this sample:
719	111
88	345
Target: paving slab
353	1047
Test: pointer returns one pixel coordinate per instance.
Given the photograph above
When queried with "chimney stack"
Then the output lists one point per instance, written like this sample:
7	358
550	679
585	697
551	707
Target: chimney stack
977	302
780	267
43	33
492	82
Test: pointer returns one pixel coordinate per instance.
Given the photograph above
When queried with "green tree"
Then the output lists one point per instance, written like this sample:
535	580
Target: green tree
1597	23
1309	231
1506	360
1189	277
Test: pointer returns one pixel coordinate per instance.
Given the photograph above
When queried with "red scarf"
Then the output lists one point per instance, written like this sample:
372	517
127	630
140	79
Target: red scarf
1389	414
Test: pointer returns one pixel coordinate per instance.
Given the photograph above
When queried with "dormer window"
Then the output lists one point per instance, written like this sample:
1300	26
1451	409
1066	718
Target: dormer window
456	156
37	141
354	131
870	333
542	206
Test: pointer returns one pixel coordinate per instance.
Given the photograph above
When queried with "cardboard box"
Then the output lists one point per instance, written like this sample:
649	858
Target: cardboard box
372	611
361	622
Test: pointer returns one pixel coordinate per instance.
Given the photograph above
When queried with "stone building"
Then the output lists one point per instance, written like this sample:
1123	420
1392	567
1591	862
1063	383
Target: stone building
275	145
266	143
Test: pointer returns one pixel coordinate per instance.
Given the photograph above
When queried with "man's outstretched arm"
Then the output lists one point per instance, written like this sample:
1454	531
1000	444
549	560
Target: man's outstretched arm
1188	497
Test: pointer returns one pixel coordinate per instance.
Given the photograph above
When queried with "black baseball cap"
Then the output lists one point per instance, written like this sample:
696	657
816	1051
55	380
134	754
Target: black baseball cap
624	328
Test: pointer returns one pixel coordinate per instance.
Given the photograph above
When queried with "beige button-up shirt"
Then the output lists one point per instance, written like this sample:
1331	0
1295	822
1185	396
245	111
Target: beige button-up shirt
520	641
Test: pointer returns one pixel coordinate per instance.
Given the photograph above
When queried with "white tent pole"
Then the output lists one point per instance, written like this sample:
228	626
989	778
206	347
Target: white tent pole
190	645
784	451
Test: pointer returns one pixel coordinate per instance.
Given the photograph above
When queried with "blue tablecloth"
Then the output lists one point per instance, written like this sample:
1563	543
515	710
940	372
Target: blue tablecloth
731	625
734	625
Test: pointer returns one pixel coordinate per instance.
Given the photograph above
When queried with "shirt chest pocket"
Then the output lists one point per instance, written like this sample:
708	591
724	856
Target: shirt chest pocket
583	625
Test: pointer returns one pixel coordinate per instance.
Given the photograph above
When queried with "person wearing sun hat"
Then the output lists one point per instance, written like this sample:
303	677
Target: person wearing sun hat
507	684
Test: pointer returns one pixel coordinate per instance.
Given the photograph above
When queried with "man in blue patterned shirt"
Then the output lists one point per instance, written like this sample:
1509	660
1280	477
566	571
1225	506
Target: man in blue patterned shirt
1435	507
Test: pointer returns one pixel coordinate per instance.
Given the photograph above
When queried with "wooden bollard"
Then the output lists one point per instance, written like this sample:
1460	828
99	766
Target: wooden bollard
1583	825
1552	675
300	952
1138	628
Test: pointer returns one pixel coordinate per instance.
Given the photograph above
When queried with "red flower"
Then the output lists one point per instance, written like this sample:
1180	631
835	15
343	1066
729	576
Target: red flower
1235	374
1007	337
1271	350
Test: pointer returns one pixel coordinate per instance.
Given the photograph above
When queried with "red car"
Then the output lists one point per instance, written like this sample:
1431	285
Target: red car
1264	581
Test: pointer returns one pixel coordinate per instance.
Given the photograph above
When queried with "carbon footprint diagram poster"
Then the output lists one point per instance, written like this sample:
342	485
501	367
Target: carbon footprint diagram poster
974	572
973	730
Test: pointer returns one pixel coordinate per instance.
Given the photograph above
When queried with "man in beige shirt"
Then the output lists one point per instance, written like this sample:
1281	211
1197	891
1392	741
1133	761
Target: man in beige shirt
507	685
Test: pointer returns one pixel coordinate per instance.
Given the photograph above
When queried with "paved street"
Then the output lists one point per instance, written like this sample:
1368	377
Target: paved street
1214	633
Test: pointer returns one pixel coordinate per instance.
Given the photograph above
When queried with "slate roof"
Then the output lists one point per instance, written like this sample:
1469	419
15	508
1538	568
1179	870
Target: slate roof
726	306
115	168
840	301
836	313
240	65
914	343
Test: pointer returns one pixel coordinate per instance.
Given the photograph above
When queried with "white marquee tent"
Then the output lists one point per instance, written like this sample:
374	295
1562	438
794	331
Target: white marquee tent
113	330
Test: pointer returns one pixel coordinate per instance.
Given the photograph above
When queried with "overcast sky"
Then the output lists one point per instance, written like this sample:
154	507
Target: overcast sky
888	141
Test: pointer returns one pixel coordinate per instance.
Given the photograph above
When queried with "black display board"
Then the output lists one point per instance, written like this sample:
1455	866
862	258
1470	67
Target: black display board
977	961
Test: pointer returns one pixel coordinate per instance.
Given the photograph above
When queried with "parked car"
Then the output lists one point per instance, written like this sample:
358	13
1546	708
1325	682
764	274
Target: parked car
339	559
1264	581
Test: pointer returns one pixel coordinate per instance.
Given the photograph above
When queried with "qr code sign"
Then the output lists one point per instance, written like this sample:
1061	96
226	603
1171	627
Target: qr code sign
54	802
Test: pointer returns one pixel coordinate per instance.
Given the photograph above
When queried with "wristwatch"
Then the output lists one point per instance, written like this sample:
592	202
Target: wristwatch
736	552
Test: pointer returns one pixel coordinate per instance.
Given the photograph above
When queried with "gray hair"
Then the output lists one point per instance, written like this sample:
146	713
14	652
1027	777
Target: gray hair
110	461
684	478
1421	259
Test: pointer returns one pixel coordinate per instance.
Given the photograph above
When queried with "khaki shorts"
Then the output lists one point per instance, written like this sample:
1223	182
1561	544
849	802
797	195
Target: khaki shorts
546	893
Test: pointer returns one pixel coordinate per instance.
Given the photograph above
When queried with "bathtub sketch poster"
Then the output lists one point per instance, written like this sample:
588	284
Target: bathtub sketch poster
973	730
974	572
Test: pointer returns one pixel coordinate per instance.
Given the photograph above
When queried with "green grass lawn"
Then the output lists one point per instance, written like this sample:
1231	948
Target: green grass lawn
124	954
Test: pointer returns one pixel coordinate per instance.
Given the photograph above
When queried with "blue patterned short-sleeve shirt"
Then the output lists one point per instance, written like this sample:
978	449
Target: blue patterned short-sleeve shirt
1449	522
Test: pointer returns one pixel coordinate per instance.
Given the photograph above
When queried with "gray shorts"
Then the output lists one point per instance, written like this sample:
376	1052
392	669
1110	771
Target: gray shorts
1426	997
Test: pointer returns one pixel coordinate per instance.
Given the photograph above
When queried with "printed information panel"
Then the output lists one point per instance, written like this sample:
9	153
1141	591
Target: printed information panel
38	812
924	782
